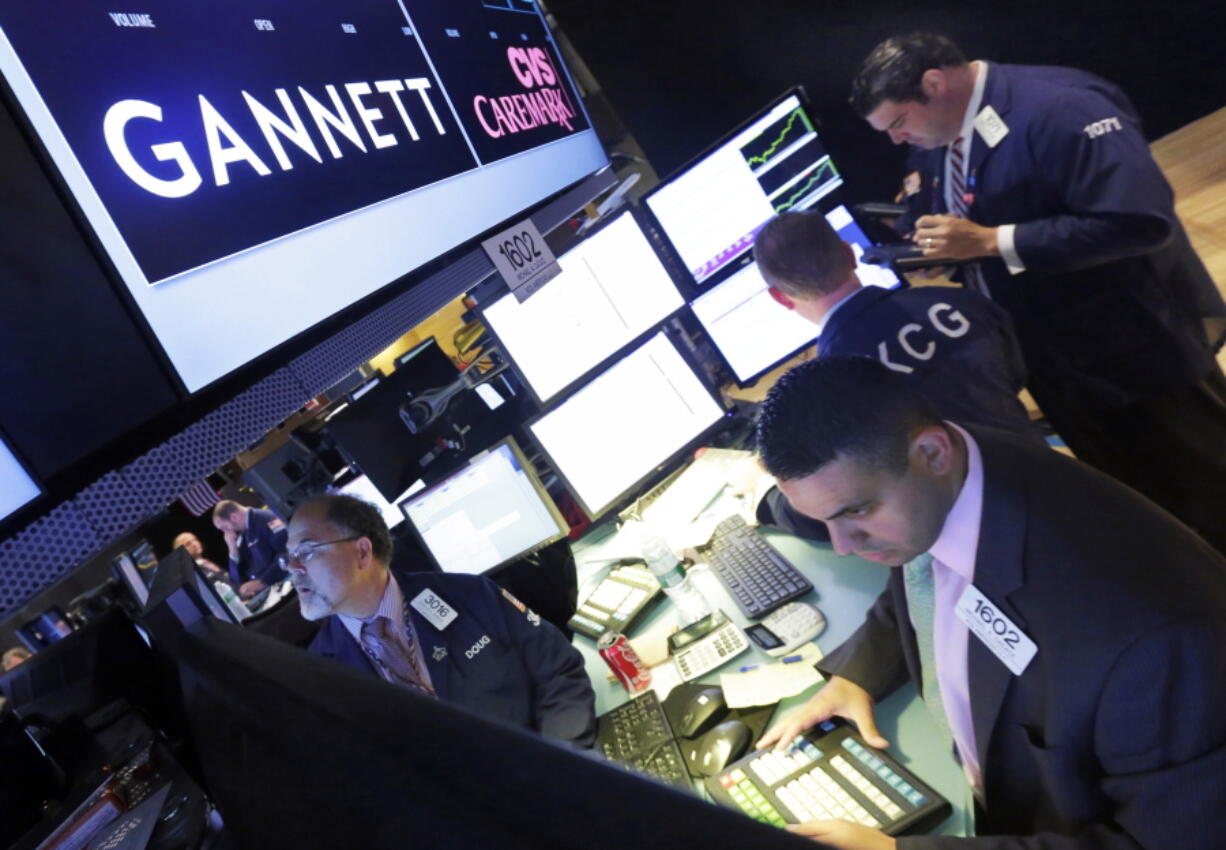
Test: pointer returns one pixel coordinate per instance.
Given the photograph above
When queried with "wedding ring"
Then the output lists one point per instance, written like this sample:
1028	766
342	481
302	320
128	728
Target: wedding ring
927	241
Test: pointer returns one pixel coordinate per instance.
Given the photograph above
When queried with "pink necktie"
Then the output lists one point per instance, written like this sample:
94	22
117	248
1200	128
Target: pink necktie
398	658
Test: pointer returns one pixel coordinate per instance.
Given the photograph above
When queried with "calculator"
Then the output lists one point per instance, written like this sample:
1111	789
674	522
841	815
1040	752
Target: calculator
829	773
618	603
787	628
705	645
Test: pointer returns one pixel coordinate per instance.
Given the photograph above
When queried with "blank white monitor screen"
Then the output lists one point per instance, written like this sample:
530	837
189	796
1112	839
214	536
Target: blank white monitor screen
361	488
750	329
711	211
627	421
612	288
490	512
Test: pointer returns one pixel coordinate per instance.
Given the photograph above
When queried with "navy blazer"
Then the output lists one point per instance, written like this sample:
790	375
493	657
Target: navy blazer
1114	735
258	549
953	346
496	657
1109	308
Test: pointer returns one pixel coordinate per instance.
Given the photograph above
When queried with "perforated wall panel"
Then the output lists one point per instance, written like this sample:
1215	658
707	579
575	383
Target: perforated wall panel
50	547
43	552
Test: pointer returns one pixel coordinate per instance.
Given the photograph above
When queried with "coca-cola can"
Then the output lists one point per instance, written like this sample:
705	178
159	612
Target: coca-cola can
615	649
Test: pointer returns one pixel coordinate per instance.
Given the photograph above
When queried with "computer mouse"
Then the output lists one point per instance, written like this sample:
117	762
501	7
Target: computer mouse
704	710
723	745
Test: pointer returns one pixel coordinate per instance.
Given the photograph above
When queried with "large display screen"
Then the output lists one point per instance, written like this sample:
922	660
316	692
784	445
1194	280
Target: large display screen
17	488
252	168
488	513
627	421
612	288
776	162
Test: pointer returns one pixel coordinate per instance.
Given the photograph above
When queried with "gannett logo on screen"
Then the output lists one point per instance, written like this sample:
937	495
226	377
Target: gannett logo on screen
544	103
226	147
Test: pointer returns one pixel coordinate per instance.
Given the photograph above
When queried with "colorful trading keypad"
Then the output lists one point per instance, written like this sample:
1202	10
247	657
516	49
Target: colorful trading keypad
828	774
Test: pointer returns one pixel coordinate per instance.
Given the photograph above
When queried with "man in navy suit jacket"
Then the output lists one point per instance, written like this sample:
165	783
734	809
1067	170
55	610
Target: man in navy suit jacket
1111	736
1042	174
955	347
475	644
255	538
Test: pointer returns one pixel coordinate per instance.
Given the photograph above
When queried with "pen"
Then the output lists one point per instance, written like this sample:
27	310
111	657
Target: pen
791	659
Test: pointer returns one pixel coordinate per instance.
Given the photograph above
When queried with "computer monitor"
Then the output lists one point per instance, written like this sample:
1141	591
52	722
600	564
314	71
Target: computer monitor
751	331
361	488
180	584
486	514
353	761
614	432
125	569
369	432
849	231
613	288
774	162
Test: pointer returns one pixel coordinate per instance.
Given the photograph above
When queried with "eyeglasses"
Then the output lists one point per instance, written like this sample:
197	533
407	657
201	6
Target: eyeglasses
304	553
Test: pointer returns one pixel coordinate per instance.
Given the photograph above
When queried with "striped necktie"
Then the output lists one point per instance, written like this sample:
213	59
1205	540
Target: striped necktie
957	179
396	654
959	207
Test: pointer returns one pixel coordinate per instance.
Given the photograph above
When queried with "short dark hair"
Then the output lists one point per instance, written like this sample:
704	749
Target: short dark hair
226	509
894	68
356	517
801	254
835	407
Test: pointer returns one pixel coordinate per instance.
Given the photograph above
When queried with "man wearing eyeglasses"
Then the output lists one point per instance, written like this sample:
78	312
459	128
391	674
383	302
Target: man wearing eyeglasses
458	638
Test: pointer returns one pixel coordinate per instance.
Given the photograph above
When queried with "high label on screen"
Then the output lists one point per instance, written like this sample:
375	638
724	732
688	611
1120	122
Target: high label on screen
208	130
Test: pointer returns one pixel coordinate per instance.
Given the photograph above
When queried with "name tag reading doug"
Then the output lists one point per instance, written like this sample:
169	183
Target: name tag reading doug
429	605
998	633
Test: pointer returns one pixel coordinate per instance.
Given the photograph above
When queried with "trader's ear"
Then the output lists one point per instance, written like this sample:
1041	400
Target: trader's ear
782	297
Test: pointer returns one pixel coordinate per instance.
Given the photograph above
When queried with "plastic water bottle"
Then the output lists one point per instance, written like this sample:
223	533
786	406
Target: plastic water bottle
664	564
228	596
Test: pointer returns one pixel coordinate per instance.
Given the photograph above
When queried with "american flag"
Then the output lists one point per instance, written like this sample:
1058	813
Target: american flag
199	497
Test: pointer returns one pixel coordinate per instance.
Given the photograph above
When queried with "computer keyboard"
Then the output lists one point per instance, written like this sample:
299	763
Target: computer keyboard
829	773
758	577
637	735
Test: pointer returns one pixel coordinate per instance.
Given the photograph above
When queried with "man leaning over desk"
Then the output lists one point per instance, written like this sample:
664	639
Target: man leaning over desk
1094	720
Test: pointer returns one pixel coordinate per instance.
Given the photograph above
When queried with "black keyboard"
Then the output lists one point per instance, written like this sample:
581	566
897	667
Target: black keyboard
758	577
637	735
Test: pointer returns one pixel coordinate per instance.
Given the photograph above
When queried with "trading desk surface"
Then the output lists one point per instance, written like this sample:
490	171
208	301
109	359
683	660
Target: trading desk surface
845	588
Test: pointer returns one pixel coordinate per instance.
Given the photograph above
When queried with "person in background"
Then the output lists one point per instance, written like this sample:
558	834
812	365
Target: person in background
14	656
195	548
255	539
1042	177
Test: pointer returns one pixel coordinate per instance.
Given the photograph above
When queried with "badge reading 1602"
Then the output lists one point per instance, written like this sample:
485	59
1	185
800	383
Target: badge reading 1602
998	633
522	258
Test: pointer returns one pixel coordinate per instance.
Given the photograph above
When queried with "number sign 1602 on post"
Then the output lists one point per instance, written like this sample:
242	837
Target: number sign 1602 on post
522	258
